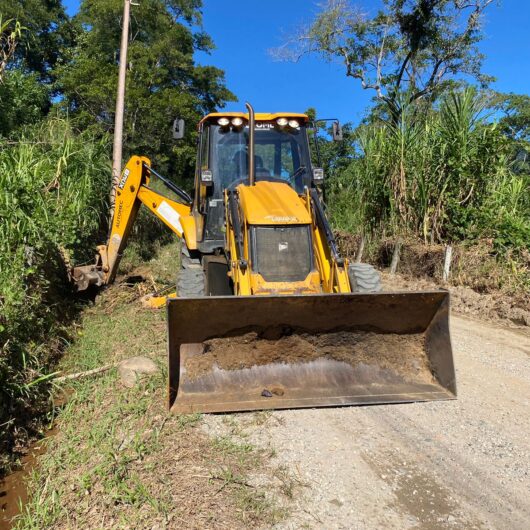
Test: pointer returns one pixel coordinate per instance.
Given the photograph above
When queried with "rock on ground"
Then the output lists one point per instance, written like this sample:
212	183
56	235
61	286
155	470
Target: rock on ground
133	369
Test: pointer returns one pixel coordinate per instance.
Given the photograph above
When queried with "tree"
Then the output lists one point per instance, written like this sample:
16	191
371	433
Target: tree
515	120
163	80
23	99
408	51
47	31
10	32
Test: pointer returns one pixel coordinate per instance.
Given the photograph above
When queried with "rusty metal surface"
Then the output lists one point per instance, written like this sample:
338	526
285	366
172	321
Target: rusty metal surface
322	382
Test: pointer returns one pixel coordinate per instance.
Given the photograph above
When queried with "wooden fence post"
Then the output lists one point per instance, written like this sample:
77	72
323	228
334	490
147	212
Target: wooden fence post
447	262
395	256
359	254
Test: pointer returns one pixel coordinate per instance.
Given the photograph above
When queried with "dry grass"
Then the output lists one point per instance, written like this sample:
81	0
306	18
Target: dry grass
481	283
473	265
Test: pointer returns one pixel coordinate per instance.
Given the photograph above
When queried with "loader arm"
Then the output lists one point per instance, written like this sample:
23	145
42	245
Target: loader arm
133	191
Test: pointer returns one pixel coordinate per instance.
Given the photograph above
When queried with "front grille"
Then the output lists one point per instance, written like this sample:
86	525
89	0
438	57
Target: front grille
282	253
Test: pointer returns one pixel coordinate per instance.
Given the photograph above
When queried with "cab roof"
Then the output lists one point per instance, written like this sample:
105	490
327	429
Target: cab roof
259	116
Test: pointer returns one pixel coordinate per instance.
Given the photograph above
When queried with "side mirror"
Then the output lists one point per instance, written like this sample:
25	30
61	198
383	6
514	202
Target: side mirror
178	129
318	175
336	131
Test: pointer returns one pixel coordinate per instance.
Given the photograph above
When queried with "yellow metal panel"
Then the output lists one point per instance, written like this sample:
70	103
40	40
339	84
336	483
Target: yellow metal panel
125	211
190	231
311	285
168	211
272	203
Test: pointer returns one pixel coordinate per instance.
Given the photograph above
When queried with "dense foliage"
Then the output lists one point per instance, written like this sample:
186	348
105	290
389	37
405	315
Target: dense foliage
445	176
47	31
163	80
54	187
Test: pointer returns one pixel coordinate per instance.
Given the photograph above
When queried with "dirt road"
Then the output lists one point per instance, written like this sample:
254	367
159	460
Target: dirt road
455	464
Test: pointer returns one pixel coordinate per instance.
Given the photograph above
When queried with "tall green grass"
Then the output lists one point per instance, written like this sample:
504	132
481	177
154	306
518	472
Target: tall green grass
443	176
53	188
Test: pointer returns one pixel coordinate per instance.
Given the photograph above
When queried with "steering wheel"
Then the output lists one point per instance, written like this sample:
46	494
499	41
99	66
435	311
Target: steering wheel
236	183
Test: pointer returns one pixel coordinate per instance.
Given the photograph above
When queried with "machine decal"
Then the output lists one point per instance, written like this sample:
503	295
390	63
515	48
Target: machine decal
280	219
118	214
170	216
123	180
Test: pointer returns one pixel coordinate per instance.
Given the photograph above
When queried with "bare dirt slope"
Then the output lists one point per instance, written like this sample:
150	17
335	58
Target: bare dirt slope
454	464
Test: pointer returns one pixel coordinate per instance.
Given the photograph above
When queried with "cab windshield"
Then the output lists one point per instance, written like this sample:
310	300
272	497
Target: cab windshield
280	154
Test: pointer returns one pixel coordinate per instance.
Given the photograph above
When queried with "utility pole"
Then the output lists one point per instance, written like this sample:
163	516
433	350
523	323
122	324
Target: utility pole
120	103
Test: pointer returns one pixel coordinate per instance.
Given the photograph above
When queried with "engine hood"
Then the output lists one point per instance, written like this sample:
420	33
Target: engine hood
272	203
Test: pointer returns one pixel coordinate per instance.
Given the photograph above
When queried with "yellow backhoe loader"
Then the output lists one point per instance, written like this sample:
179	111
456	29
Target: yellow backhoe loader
267	314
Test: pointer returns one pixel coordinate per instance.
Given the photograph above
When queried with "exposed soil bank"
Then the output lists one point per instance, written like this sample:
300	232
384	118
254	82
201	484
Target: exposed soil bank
494	307
481	284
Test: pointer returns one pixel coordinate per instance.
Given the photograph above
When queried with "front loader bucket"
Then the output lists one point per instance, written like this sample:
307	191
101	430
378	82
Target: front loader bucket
271	352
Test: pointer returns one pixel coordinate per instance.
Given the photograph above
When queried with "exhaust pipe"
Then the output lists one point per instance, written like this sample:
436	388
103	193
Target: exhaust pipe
251	162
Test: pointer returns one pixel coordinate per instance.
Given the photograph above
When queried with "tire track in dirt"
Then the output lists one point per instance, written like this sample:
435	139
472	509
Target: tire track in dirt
455	464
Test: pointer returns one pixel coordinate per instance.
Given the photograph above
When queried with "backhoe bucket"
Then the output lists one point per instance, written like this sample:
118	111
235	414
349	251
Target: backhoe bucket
273	352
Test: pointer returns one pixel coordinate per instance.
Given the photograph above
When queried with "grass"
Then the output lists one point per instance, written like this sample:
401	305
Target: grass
53	183
446	175
120	460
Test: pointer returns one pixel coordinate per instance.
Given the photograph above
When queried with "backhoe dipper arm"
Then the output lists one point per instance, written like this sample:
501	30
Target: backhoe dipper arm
132	191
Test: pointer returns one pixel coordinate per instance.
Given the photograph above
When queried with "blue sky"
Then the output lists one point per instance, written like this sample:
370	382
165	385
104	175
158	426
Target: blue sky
243	31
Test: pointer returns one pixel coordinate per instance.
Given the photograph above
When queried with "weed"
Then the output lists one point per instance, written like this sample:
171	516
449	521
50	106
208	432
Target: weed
245	453
256	506
53	189
188	420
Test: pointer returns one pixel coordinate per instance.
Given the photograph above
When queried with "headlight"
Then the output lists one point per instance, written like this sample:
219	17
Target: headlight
293	124
282	122
237	122
223	122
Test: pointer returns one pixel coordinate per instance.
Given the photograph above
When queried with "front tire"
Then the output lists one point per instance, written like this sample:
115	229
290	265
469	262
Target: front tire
364	278
191	279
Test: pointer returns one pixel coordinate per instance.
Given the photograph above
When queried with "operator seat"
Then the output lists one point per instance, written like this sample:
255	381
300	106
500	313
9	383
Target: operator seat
260	170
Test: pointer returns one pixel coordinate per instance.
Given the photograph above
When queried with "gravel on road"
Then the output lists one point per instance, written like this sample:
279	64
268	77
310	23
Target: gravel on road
451	464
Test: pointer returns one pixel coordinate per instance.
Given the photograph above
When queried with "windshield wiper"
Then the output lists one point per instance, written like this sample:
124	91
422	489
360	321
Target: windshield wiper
299	171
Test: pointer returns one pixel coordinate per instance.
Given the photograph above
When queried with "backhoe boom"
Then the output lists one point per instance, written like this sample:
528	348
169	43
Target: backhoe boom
133	191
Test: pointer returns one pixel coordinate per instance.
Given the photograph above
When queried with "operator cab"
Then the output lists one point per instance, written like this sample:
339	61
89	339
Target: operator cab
281	154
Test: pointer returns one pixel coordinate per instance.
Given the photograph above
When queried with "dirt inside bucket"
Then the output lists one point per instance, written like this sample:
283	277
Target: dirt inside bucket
402	354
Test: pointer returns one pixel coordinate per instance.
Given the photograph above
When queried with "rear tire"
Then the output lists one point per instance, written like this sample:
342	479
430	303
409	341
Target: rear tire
191	280
364	278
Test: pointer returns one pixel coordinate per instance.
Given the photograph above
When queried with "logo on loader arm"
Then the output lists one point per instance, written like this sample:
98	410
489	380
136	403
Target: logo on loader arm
124	178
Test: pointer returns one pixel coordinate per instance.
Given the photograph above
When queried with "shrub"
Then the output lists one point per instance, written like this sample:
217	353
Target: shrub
54	184
443	176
